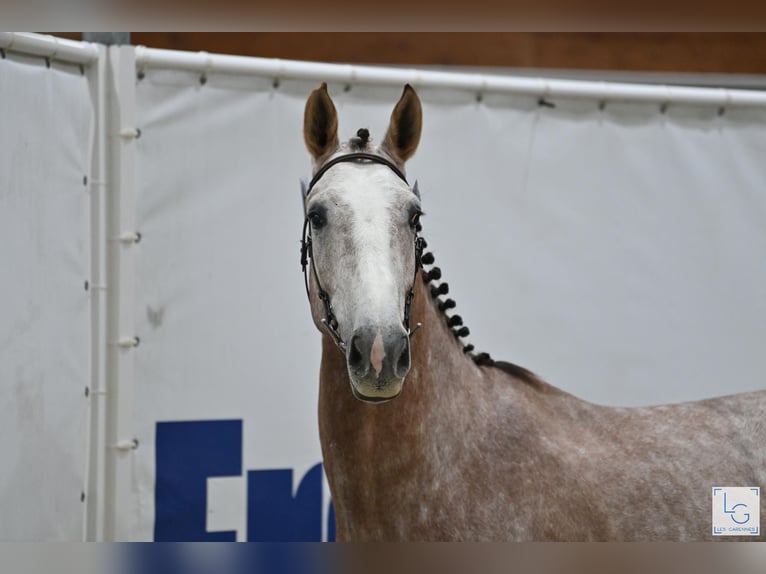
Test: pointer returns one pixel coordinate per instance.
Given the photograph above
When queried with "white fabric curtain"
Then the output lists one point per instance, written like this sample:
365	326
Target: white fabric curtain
45	135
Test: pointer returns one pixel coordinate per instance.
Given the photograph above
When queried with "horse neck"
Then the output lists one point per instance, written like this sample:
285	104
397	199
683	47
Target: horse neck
367	444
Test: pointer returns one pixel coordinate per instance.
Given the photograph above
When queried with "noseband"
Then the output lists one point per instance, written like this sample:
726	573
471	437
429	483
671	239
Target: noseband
330	321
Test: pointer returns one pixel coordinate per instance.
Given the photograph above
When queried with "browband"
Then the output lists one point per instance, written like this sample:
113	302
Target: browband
355	157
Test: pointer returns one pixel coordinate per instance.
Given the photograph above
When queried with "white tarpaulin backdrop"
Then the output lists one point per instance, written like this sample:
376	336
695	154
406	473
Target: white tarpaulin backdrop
45	135
615	250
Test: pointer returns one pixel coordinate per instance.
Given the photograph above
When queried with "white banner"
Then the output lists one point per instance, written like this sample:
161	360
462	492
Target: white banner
45	135
613	250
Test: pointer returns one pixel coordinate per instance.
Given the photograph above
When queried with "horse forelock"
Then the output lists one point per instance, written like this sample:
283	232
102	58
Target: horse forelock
361	142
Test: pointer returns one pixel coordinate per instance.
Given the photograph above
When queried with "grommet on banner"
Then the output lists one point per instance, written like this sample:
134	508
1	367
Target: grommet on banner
134	237
140	74
545	90
726	103
276	83
482	88
603	96
207	67
351	75
542	102
128	342
130	133
47	62
126	445
82	497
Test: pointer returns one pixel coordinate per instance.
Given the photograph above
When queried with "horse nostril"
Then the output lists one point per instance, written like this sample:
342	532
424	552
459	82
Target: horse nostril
403	364
355	357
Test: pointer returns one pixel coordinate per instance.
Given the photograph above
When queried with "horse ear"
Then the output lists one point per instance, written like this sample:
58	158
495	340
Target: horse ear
320	123
403	133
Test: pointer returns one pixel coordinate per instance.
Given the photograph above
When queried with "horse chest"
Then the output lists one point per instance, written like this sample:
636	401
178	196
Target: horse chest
415	485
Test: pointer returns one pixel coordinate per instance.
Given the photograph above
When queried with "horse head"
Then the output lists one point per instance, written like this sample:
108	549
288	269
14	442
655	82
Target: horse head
361	242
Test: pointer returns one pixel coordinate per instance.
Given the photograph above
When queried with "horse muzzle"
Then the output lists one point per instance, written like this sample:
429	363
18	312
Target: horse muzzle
378	361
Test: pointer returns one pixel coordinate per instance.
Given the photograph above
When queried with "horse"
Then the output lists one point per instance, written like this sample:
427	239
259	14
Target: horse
423	439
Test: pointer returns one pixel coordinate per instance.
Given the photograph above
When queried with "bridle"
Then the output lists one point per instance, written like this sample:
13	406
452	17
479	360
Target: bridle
329	320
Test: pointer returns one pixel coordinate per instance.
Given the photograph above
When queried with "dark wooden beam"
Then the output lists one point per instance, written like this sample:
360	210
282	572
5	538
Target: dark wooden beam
698	52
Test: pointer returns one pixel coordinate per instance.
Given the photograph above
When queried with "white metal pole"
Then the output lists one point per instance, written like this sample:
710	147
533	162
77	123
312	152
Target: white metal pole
122	239
147	58
95	491
49	47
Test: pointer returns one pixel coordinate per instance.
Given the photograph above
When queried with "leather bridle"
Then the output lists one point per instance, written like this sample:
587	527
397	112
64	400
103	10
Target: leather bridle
329	320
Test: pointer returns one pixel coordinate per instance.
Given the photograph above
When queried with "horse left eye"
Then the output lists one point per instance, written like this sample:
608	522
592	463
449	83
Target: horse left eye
414	220
316	219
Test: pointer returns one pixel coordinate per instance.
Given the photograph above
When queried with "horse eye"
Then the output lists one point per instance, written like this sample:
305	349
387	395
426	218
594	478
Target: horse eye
415	219
317	220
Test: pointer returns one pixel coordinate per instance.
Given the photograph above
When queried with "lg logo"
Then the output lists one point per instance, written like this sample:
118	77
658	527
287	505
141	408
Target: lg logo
736	511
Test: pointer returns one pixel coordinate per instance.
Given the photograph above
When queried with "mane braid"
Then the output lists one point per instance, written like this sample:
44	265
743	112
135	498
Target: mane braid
482	359
359	143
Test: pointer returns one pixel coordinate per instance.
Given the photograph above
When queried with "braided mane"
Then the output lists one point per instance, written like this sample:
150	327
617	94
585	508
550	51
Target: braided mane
455	322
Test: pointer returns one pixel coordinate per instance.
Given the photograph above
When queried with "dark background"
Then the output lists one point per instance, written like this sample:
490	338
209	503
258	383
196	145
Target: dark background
694	52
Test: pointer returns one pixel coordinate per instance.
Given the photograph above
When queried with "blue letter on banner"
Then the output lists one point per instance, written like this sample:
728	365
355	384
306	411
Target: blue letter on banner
187	453
275	515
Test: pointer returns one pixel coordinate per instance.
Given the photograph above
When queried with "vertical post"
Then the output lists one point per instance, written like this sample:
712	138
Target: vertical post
95	488
107	38
122	244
